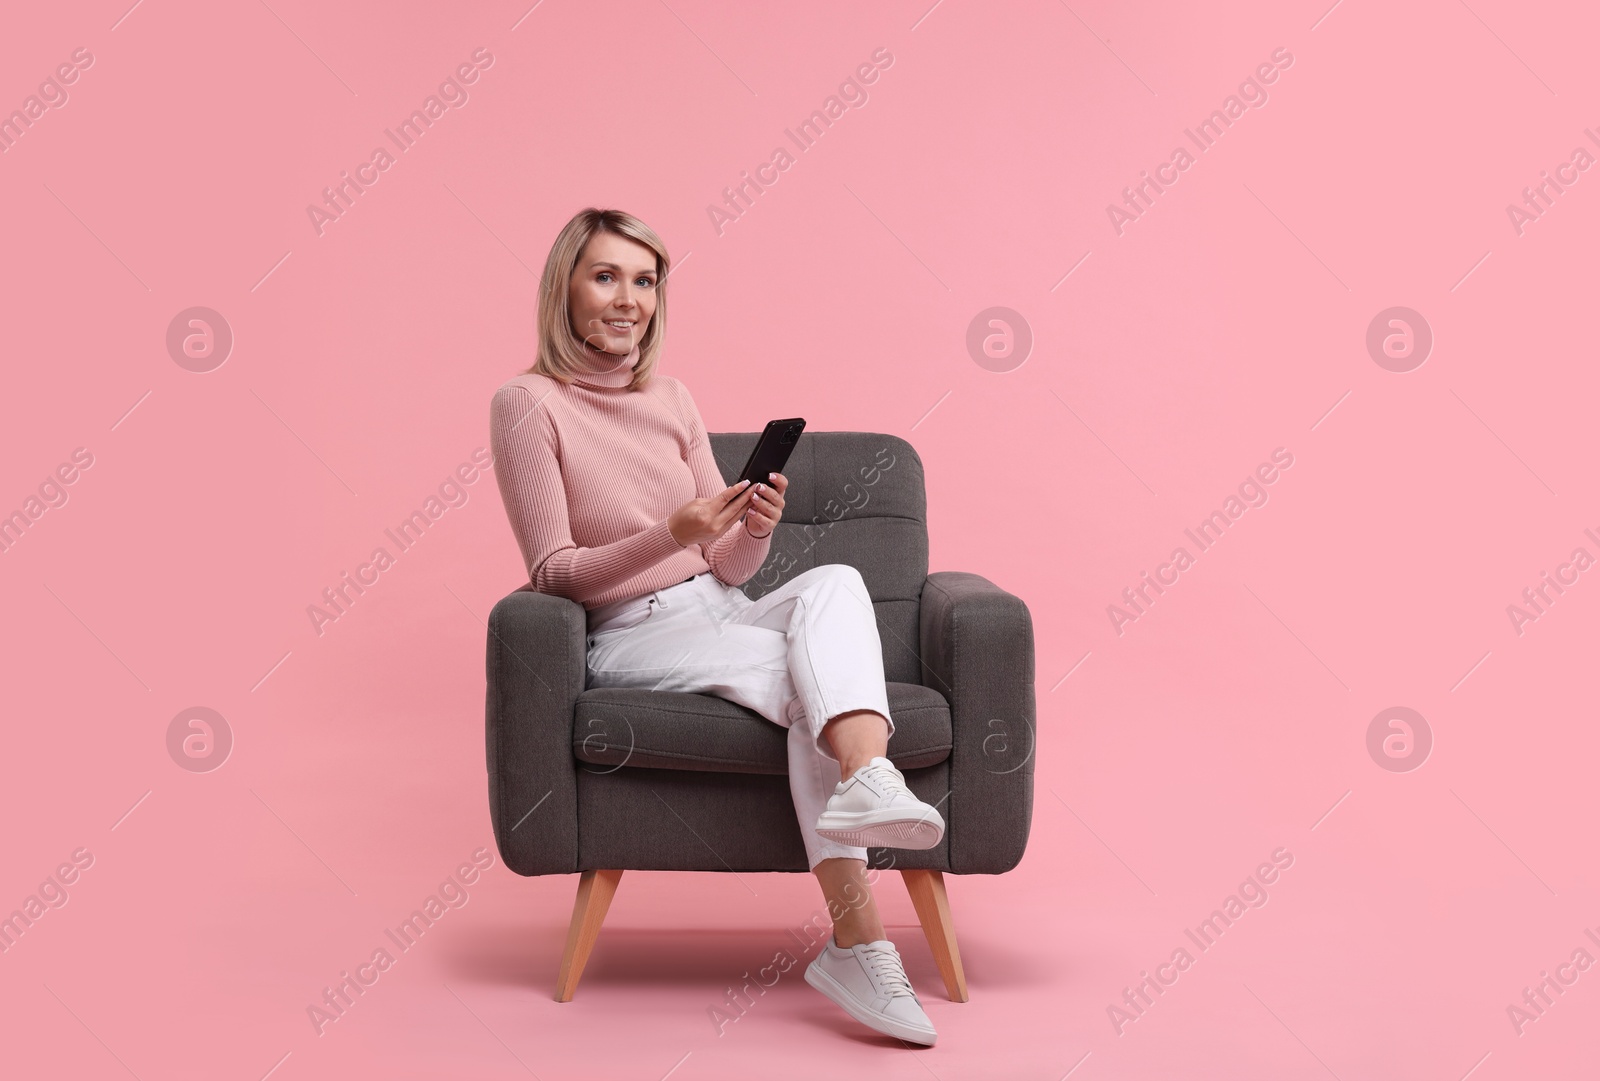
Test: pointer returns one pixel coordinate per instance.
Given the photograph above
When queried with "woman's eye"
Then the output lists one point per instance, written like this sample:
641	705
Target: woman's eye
645	282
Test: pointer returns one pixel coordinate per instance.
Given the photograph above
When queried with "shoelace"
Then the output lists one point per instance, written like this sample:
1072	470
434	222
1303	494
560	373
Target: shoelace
889	974
887	780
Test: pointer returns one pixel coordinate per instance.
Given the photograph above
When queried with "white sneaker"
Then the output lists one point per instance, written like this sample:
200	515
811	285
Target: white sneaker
874	808
869	983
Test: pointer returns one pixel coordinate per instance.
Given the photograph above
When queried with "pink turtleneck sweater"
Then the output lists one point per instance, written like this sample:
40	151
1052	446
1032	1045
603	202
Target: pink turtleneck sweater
591	471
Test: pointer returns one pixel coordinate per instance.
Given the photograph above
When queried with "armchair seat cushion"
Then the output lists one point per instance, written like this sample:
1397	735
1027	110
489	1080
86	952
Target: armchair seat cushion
700	732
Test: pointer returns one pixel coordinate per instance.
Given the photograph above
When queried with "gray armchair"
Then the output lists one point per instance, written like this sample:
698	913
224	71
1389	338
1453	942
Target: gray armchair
595	782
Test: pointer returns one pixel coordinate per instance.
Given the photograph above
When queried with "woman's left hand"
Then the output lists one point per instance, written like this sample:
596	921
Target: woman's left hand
766	507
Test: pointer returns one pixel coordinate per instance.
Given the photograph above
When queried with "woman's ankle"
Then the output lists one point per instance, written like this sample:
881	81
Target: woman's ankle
848	769
845	939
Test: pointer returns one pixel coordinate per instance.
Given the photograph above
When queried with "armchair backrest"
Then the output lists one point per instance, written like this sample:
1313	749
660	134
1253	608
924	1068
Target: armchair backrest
855	498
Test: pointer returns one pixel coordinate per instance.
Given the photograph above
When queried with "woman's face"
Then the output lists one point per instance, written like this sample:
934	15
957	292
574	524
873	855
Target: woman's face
613	293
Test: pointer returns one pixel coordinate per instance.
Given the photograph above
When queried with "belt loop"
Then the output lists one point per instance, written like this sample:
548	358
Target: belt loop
659	602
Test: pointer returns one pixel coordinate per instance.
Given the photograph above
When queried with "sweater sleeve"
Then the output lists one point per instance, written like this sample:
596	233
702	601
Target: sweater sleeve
526	465
735	556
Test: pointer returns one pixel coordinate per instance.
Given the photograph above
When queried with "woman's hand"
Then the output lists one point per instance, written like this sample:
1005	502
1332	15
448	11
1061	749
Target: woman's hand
702	520
766	507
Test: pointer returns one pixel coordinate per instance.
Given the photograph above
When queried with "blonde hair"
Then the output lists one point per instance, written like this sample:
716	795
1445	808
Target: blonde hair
560	350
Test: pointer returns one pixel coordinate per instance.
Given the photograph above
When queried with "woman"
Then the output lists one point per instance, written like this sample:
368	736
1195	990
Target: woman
617	503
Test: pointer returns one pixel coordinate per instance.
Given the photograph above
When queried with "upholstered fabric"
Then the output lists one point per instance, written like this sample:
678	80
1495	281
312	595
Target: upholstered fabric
666	730
640	780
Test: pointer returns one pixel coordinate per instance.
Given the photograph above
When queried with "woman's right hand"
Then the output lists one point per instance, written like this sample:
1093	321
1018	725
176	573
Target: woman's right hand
701	520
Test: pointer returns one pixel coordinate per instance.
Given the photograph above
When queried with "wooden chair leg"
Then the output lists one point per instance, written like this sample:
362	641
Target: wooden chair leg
595	890
933	910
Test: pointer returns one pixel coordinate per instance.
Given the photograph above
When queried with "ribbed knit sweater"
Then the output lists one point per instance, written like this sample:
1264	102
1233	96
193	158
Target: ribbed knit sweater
591	471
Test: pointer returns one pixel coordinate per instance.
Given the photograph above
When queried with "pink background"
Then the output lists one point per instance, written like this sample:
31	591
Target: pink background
1228	721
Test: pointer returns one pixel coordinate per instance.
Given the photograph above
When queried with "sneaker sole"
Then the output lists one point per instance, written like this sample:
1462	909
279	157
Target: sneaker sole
836	993
859	831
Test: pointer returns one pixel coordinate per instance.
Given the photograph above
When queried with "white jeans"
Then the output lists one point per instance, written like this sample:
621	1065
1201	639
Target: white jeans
800	656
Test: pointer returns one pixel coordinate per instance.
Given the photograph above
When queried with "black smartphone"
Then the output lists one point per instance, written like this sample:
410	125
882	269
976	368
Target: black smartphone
771	451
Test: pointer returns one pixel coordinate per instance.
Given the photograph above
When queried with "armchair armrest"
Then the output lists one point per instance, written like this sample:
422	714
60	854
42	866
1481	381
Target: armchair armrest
976	642
537	668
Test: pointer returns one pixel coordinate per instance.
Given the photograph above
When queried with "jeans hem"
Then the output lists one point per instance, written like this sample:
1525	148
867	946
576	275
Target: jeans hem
827	852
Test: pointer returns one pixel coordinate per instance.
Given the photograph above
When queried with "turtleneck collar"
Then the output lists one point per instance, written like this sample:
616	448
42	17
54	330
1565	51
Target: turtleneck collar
606	370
